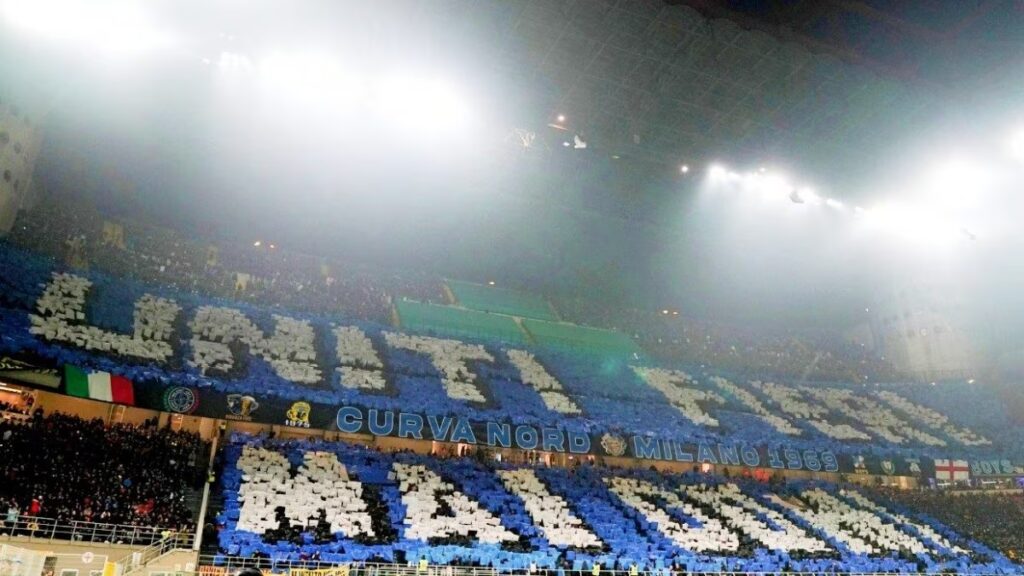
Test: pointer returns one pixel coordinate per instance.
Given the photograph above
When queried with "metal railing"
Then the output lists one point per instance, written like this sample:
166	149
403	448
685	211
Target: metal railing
36	528
227	566
138	559
377	569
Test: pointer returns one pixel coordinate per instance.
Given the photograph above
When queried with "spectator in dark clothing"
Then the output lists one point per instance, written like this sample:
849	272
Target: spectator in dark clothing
66	468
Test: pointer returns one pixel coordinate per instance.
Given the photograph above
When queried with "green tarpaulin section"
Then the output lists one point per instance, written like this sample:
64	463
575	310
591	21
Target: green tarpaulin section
501	300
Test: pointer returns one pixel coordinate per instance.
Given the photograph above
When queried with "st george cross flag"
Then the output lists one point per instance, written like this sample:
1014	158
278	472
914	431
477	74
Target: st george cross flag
98	386
952	470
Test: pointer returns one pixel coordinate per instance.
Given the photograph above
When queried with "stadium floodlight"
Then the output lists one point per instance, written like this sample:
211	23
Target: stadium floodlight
233	61
804	195
717	172
684	168
955	183
422	104
561	118
773	185
307	77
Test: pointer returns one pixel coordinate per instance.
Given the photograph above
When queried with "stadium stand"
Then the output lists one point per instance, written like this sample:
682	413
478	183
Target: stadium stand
458	322
287	500
676	337
997	519
500	300
64	468
688	233
78	234
180	338
565	335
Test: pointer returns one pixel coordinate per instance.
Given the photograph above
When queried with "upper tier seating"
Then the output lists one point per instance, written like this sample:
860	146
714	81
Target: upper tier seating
271	276
490	514
500	300
157	337
563	335
456	322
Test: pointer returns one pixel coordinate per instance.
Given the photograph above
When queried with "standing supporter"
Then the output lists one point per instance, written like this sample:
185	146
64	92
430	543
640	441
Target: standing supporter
67	468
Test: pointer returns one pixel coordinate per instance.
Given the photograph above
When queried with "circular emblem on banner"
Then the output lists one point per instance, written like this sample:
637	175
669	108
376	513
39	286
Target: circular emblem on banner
613	445
181	400
87	557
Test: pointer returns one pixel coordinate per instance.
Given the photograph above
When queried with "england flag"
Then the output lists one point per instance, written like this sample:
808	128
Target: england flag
952	470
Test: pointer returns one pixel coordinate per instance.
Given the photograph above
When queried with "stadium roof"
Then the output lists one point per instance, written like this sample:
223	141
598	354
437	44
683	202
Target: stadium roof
827	91
827	84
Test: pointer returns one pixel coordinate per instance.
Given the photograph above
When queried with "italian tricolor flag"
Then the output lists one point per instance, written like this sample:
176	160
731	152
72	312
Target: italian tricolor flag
98	386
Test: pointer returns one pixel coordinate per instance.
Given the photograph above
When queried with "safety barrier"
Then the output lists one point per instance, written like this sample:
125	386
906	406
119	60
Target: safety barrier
270	568
230	565
37	528
138	559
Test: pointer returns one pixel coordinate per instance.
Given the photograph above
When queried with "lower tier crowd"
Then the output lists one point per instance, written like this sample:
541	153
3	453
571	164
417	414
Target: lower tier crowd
65	468
298	501
309	501
996	519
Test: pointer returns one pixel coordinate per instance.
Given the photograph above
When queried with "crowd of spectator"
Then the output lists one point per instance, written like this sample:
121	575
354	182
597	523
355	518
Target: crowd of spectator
11	408
304	500
993	518
67	468
256	272
265	274
668	335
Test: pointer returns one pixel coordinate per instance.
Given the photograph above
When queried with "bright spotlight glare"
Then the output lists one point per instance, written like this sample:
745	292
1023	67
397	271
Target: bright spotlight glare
310	76
684	168
775	185
833	203
912	224
716	172
116	28
1017	145
426	105
956	182
234	62
810	196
